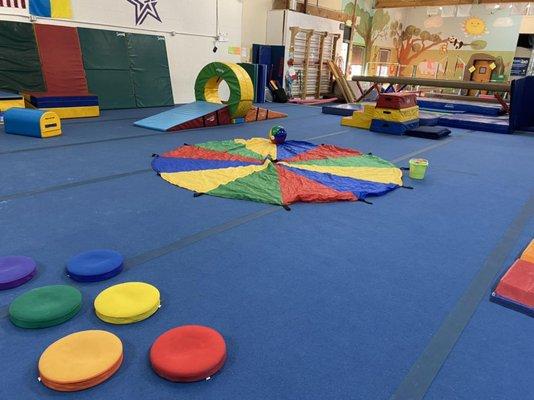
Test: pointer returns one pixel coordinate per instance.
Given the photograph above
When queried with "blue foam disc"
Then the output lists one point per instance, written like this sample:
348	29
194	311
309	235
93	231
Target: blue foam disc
95	265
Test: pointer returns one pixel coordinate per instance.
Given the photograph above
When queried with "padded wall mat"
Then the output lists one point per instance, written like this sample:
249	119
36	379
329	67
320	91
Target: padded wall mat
61	60
20	67
106	59
150	70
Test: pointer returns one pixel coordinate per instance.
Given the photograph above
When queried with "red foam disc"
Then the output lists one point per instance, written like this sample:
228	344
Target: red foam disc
188	353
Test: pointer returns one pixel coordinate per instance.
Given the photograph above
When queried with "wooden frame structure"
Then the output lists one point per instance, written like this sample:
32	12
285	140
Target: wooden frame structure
311	51
398	84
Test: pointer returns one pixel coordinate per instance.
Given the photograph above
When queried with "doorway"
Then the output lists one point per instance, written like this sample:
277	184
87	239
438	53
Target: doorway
482	73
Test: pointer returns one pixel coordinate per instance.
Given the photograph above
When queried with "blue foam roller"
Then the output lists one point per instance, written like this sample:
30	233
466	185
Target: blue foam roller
393	128
95	265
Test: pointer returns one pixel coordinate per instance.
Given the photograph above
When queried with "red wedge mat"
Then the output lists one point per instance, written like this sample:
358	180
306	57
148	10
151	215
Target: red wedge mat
188	353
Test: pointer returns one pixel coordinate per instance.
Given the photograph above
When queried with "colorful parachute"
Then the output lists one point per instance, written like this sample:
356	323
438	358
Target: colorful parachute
280	174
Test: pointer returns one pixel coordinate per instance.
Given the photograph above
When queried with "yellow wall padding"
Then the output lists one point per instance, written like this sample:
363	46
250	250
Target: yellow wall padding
239	83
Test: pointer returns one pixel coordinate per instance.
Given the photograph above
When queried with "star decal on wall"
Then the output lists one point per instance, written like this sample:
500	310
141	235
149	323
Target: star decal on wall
143	9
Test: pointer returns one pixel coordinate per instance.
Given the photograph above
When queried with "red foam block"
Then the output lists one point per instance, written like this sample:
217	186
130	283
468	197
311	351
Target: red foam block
188	353
396	101
518	284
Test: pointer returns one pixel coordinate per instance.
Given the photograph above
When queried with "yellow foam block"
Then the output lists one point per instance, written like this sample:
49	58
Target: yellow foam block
358	120
369	109
127	303
50	124
7	104
80	360
528	254
403	115
75	112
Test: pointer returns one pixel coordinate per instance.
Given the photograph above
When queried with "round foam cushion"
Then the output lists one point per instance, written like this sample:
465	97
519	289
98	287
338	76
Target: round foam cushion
127	303
80	360
188	353
45	306
16	270
95	265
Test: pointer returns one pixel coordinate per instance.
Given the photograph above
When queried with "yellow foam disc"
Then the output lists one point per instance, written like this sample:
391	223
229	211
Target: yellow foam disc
80	360
127	303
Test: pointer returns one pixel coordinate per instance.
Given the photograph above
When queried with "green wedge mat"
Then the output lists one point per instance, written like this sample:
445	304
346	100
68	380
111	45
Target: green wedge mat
45	306
20	67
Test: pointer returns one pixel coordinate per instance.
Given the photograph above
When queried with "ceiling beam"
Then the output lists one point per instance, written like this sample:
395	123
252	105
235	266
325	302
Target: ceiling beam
433	3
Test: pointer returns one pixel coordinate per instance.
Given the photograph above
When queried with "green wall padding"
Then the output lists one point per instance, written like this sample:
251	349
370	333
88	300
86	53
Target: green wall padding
20	67
252	71
107	67
150	70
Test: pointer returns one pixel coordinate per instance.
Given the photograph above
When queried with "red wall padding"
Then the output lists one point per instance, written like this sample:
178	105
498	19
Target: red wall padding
61	60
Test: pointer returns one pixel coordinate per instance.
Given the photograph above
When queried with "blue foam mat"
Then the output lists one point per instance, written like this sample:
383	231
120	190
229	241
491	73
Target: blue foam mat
393	128
344	110
459	105
9	95
476	122
178	115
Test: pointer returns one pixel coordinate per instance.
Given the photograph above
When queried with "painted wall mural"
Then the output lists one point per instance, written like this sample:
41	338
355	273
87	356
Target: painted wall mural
433	45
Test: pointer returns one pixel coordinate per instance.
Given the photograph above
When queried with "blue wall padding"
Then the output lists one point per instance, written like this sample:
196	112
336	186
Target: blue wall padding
41	8
522	94
23	121
476	122
262	83
179	115
345	110
63	101
459	105
393	128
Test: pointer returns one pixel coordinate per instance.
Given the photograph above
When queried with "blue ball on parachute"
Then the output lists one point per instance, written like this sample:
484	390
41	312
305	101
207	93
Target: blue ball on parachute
277	134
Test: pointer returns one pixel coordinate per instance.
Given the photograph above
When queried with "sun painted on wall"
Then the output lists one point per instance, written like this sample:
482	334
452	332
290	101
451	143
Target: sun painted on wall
474	26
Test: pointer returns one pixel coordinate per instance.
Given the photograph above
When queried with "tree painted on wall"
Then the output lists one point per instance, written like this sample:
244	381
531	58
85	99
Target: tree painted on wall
410	42
370	27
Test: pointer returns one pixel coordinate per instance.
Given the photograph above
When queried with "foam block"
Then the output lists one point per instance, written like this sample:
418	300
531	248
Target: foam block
515	289
127	303
476	122
401	115
528	254
345	110
95	265
396	101
358	120
34	123
75	112
6	104
45	306
393	128
429	132
40	100
188	353
459	106
15	271
80	360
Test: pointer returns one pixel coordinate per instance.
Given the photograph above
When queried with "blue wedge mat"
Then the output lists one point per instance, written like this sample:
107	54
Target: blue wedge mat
459	105
179	115
9	95
345	110
262	83
476	122
95	265
393	128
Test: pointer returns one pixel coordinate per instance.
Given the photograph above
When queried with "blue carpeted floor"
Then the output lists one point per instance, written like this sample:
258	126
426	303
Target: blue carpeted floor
328	301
